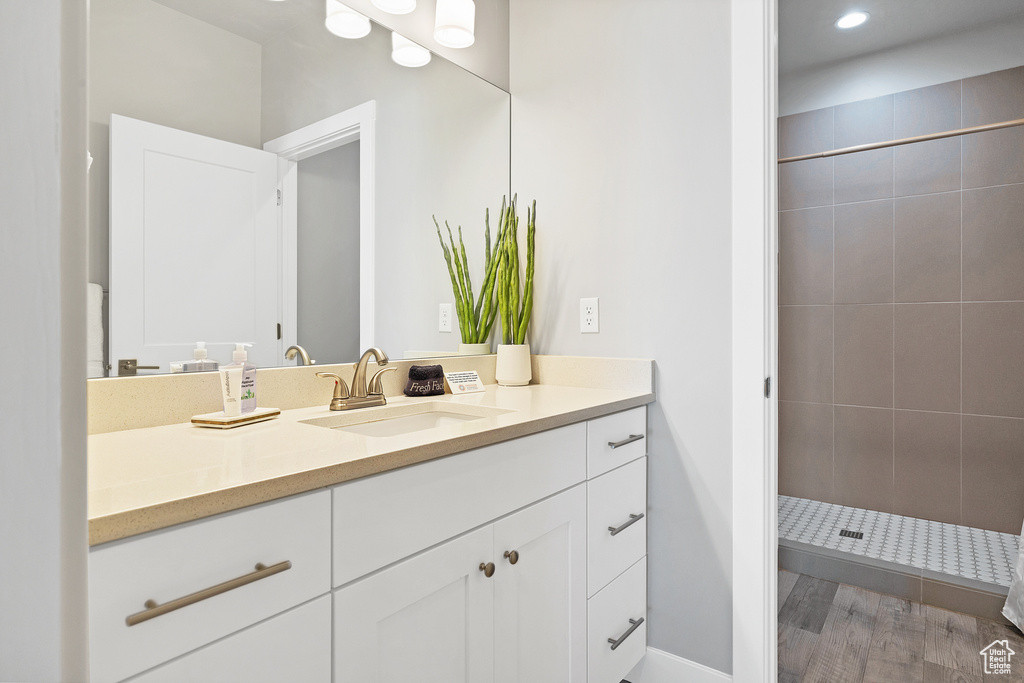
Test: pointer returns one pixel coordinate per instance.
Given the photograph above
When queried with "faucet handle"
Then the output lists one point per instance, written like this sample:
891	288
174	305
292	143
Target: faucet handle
340	389
374	387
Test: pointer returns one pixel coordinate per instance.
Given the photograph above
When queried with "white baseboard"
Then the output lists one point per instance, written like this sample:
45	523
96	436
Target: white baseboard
659	666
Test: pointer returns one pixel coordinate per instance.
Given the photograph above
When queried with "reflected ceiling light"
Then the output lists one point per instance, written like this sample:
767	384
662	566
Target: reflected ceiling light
395	6
345	22
852	19
453	23
408	53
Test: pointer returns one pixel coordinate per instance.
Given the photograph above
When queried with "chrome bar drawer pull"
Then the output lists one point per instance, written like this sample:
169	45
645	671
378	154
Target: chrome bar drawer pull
633	519
633	624
631	439
154	610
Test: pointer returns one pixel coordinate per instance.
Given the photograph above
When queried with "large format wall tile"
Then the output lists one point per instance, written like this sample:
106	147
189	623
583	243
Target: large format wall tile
933	166
865	175
926	465
993	473
805	256
993	239
864	252
806	133
927	357
928	248
803	184
993	358
996	157
863	457
805	353
806	183
863	364
805	436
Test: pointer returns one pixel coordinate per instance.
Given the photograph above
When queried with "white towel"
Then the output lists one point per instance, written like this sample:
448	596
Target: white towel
94	330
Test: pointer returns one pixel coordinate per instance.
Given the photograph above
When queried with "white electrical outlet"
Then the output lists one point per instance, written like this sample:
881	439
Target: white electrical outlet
590	322
444	319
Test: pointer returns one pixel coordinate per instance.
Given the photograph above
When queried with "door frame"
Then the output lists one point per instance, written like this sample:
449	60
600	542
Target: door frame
357	123
755	336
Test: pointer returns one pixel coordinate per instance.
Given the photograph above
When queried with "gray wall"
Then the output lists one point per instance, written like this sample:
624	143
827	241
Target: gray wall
621	131
328	254
152	63
901	293
43	587
442	149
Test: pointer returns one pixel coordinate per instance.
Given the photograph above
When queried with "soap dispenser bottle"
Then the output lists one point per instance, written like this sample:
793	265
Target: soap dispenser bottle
199	362
240	357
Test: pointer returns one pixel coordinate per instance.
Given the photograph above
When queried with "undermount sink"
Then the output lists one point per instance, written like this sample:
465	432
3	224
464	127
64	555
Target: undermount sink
404	419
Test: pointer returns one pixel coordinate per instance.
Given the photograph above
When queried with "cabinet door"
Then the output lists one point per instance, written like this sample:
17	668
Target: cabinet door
540	602
294	646
428	619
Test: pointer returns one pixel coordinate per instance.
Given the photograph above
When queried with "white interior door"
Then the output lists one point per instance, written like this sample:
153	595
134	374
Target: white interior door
194	246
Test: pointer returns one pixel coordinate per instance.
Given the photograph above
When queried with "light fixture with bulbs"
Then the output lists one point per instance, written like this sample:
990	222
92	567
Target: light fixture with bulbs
345	22
395	6
407	53
851	20
453	23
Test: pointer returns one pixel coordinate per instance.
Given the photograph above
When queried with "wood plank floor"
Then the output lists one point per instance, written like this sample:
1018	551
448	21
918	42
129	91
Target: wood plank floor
834	633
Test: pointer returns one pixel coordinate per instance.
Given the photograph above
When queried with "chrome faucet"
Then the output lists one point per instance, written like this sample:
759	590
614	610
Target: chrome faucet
364	394
301	352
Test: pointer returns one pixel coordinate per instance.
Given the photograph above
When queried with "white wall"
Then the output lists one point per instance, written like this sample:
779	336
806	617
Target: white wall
621	132
442	149
152	63
968	53
43	608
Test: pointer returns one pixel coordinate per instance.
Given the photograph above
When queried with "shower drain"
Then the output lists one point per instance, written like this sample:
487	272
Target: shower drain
851	534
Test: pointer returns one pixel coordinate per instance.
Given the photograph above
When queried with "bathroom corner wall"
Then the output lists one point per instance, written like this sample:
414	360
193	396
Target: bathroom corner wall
901	306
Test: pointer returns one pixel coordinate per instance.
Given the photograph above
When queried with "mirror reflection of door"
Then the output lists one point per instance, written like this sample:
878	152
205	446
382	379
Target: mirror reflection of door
328	253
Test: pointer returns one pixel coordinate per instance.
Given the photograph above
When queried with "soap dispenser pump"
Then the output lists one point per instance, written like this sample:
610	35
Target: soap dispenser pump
241	357
199	362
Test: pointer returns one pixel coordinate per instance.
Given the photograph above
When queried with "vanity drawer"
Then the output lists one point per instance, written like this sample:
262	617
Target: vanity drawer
615	440
381	519
609	615
612	501
178	562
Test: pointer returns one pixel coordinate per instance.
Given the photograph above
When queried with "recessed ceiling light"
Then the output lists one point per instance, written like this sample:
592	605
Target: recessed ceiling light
851	20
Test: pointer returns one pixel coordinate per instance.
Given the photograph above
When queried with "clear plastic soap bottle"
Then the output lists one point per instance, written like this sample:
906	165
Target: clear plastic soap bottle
241	357
199	362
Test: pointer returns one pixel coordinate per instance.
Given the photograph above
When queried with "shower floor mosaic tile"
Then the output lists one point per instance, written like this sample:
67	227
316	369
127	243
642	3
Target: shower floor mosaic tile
977	554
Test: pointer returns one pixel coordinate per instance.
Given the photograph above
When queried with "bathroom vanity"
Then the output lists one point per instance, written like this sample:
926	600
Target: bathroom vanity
505	547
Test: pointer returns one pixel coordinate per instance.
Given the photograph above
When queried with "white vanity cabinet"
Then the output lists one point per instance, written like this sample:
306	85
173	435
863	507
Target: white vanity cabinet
494	565
617	544
183	565
503	603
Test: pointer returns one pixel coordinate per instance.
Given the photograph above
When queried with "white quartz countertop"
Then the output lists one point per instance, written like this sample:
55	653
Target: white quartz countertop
146	479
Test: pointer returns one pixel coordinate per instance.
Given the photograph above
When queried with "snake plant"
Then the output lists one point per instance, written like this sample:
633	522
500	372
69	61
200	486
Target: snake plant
476	316
515	298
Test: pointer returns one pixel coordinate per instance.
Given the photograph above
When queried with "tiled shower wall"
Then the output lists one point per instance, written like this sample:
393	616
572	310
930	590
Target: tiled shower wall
901	306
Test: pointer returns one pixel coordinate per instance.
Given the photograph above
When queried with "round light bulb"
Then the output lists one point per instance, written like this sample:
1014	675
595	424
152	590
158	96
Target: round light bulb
852	20
345	22
395	6
407	53
453	23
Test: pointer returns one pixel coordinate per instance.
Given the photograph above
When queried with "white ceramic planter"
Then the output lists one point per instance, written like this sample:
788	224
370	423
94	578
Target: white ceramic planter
513	365
474	349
